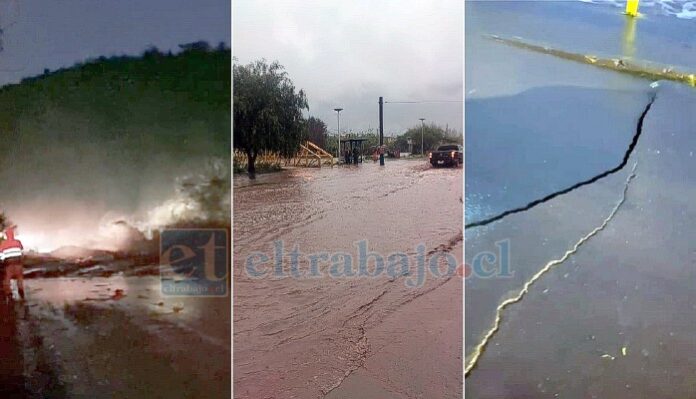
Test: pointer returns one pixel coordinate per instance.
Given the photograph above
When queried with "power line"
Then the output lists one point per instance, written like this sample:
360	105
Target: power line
424	101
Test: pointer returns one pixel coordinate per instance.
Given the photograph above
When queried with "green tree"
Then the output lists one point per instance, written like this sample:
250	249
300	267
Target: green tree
267	111
433	136
317	131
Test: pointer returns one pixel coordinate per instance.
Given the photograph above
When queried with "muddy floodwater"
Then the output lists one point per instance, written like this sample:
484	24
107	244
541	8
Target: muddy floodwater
113	337
318	329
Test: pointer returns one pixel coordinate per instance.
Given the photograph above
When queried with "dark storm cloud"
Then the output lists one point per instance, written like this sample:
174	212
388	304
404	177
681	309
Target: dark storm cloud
348	53
55	34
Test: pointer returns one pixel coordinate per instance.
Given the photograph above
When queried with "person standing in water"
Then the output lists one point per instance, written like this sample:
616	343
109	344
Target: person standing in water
11	257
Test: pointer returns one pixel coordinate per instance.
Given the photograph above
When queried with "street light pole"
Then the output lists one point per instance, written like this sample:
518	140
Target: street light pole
338	119
422	128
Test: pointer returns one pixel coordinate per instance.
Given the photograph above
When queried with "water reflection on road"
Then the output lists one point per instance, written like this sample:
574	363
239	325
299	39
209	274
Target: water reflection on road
304	336
12	361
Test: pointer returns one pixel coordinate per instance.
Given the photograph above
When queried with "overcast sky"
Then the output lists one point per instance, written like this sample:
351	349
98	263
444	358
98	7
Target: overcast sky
52	34
348	53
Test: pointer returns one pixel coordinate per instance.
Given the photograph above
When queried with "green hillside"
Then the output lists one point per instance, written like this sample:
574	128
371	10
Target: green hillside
114	125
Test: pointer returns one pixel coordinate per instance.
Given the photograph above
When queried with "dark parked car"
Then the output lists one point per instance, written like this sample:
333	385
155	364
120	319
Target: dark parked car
447	155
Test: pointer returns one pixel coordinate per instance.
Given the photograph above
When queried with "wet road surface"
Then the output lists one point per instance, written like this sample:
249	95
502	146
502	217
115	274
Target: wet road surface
326	336
114	337
12	383
615	318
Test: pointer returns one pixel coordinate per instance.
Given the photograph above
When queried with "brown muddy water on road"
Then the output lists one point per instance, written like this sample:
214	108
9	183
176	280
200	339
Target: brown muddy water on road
114	337
339	336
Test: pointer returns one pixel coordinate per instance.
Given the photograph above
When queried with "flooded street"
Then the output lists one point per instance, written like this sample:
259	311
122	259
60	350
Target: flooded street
115	176
328	329
100	337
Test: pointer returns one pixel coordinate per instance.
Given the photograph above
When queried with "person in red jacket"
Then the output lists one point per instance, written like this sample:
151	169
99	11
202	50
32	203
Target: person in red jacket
11	257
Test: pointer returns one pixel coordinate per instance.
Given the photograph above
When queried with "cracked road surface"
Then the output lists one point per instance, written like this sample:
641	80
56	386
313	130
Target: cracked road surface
616	318
348	337
478	350
591	180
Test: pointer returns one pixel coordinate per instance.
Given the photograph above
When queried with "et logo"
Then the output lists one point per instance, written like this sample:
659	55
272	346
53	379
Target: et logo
194	262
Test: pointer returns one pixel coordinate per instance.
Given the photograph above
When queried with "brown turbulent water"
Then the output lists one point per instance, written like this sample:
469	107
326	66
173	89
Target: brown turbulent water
302	337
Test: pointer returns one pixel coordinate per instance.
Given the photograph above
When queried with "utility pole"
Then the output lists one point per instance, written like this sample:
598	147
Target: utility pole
338	120
422	128
381	131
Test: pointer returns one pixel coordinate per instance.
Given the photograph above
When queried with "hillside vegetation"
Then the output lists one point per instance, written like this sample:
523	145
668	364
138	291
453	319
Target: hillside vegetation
114	125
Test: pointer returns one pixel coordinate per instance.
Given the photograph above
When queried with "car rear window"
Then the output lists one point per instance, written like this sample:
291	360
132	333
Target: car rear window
448	148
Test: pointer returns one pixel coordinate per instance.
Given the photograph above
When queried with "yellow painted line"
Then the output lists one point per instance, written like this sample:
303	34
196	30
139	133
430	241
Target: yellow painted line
630	67
632	8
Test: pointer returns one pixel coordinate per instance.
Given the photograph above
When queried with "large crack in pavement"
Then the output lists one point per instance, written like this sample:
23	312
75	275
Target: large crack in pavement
481	347
624	161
